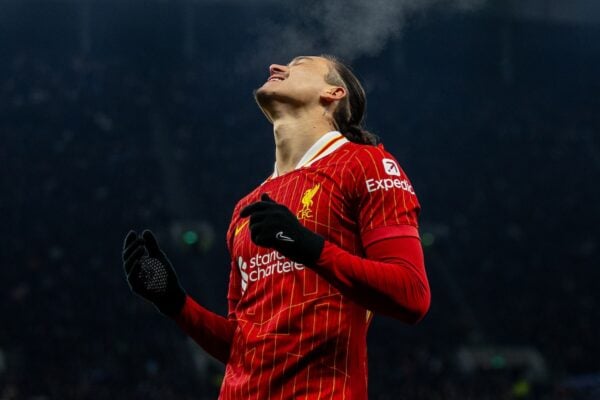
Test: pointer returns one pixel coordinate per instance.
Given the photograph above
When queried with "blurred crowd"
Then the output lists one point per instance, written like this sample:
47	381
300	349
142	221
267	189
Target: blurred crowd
506	172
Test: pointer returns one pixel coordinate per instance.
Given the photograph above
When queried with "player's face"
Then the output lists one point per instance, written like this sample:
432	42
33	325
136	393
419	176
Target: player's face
302	81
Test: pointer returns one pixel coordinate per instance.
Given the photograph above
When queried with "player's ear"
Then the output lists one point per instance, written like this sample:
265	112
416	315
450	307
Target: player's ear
333	93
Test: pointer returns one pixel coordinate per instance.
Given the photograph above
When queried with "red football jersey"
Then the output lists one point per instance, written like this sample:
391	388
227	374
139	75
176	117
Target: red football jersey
297	336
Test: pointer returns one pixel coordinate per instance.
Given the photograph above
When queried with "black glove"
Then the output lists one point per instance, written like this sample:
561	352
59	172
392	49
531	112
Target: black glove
150	273
274	226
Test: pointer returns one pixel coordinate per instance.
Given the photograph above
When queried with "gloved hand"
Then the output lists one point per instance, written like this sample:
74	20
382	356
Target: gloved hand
150	274
274	226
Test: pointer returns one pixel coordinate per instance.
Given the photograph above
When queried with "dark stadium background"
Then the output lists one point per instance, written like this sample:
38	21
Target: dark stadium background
133	114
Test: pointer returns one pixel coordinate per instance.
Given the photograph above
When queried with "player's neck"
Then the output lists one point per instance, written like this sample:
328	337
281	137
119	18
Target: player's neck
293	138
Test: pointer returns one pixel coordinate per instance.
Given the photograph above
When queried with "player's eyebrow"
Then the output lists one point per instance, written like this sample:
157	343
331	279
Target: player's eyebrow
300	58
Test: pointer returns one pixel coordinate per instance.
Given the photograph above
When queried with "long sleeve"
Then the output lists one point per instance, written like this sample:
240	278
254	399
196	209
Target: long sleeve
211	331
391	279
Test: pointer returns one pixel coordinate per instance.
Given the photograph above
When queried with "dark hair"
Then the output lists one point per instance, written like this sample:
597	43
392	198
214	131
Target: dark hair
350	112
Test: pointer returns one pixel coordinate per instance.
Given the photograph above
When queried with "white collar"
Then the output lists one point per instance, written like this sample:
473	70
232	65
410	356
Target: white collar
327	144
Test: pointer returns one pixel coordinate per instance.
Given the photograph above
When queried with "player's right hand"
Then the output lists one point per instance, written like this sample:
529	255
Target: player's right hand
150	274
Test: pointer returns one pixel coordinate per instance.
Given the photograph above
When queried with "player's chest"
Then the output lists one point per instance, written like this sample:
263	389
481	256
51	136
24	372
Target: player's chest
321	204
314	197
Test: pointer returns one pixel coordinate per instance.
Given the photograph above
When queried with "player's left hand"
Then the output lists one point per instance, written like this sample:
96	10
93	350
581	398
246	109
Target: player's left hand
274	226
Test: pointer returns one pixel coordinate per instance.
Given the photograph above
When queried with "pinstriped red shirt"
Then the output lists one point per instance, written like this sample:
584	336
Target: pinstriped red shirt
296	335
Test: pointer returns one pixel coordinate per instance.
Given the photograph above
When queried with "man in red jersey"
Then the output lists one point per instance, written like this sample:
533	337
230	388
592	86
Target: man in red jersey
330	238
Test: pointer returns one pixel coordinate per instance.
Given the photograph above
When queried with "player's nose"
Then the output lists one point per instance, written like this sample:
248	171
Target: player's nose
277	69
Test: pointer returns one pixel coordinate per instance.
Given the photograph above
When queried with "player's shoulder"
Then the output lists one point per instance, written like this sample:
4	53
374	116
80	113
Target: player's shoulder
371	156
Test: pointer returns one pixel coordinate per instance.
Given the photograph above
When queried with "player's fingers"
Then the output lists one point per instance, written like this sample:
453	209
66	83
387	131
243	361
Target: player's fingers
260	224
133	259
254	231
131	236
132	246
151	243
258	217
261	232
254	236
265	197
254	207
134	271
263	240
135	253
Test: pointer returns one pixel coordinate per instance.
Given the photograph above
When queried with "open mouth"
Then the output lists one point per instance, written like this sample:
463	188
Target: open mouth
275	78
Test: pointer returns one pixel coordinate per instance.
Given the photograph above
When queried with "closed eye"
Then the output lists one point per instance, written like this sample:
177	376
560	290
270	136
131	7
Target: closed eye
298	60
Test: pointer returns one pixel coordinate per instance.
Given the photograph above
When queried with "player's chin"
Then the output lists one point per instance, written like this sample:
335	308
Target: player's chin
264	94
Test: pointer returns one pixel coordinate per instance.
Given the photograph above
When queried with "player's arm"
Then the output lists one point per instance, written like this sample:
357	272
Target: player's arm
390	280
151	275
213	332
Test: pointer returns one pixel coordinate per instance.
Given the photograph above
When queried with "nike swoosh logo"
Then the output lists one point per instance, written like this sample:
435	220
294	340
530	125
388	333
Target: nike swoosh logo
241	226
282	237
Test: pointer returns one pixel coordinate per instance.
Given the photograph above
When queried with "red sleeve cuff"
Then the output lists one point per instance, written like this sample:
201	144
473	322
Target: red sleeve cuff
387	232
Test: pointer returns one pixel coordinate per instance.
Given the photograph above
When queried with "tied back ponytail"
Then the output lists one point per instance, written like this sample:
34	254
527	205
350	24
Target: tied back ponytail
356	134
349	114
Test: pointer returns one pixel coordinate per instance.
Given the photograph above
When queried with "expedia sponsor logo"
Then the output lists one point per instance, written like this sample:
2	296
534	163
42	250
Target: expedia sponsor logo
261	266
387	184
390	167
